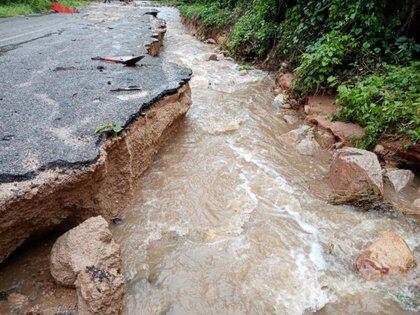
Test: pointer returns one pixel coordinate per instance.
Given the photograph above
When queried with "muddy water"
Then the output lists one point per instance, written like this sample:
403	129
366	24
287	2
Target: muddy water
229	220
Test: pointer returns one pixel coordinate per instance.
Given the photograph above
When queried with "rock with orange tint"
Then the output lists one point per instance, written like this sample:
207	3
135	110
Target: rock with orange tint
296	135
344	132
325	138
88	244
399	179
321	105
355	171
285	80
389	254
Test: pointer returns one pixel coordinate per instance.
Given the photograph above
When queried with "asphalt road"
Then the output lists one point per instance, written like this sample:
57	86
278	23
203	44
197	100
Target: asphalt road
53	96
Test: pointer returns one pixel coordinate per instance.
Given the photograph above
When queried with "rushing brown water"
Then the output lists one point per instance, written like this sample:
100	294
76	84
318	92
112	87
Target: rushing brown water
229	220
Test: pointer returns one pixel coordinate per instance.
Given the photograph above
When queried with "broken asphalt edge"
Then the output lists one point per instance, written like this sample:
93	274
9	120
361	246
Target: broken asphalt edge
9	178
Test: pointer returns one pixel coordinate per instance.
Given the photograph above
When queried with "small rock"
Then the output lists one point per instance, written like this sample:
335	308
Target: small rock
210	41
90	243
400	178
290	119
416	203
220	57
280	102
243	72
325	138
308	146
390	253
355	171
210	57
277	91
294	136
99	291
379	149
284	65
17	302
285	80
117	221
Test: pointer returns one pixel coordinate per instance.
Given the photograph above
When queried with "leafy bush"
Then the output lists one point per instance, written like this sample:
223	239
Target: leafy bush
322	67
22	7
252	36
388	102
211	16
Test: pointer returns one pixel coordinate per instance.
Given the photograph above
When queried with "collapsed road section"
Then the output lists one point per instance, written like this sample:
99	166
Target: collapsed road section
76	130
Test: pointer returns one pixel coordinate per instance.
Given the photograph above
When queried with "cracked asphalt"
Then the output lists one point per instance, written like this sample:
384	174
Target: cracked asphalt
53	96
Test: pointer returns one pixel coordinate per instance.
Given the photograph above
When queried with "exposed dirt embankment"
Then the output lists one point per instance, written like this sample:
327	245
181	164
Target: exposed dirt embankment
194	27
67	197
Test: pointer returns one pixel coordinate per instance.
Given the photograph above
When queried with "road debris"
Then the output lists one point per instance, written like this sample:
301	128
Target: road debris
129	61
59	8
129	88
63	68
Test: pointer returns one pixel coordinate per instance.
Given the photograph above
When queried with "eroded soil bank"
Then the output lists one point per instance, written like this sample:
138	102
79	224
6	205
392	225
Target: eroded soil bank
229	219
55	169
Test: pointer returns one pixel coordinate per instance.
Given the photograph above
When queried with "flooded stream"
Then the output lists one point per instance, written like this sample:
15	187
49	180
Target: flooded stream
229	220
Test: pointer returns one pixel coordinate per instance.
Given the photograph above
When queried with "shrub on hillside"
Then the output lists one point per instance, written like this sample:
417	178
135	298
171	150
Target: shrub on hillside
388	102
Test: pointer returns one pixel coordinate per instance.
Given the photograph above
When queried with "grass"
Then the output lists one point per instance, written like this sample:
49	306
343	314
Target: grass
10	8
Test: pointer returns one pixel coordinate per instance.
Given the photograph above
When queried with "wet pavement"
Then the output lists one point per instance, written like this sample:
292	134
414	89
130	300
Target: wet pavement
53	96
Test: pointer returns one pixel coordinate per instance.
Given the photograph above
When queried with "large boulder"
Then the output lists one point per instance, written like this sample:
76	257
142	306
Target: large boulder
355	171
88	258
400	178
344	132
88	244
99	291
390	253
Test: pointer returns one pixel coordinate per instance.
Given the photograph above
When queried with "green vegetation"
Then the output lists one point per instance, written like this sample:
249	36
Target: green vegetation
24	7
109	126
385	102
363	50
